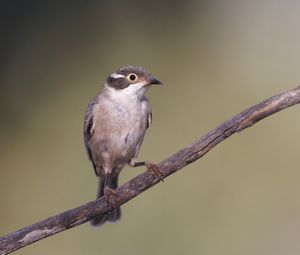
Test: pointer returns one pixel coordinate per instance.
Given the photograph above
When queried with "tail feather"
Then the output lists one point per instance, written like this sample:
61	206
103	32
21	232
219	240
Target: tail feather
113	215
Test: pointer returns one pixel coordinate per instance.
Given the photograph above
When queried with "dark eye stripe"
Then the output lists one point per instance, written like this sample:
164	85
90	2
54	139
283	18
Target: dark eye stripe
117	83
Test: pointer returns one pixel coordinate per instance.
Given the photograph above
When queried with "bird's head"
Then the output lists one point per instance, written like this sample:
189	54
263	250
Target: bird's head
131	81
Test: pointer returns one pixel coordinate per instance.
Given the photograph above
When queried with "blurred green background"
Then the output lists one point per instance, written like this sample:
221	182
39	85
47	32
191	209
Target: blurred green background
215	58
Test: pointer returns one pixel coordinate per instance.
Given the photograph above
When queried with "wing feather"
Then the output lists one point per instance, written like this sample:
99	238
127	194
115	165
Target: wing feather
88	129
148	112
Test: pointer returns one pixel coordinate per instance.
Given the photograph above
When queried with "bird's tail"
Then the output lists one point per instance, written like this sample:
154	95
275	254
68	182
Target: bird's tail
113	215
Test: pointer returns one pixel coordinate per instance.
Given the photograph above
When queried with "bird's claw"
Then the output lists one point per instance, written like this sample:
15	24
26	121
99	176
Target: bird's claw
110	196
154	170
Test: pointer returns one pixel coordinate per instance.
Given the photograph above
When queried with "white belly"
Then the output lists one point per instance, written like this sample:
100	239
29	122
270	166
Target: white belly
119	133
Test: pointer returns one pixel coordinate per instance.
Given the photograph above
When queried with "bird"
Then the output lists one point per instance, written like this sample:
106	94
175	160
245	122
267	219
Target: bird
115	124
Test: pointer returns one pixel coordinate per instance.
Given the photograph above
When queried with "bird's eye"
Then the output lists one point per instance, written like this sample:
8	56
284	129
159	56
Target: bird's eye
132	77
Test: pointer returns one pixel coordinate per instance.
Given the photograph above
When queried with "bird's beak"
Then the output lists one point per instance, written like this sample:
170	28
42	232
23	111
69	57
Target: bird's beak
154	81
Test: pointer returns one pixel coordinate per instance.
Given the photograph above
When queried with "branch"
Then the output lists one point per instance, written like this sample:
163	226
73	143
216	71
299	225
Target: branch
144	181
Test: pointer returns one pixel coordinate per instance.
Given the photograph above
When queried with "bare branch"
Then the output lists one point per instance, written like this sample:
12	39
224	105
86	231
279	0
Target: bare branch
144	181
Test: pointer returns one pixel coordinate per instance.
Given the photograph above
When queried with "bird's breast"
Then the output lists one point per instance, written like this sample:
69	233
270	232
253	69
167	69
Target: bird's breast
120	128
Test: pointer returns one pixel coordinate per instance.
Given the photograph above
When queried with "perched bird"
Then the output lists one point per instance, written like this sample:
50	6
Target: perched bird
114	128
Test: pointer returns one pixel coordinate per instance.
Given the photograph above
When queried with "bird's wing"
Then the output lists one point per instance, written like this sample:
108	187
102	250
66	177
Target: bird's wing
147	110
89	129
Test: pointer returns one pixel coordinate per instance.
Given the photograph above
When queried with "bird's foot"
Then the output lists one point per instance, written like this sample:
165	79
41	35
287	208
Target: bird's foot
154	170
110	196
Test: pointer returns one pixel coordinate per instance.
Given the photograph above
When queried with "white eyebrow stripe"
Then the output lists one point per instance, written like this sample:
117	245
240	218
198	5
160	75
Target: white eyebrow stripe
116	75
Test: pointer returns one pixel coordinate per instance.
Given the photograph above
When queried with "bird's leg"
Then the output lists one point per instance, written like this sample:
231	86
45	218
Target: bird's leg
151	167
109	193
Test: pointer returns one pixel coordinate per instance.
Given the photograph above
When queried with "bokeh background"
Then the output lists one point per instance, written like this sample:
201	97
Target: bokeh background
215	58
